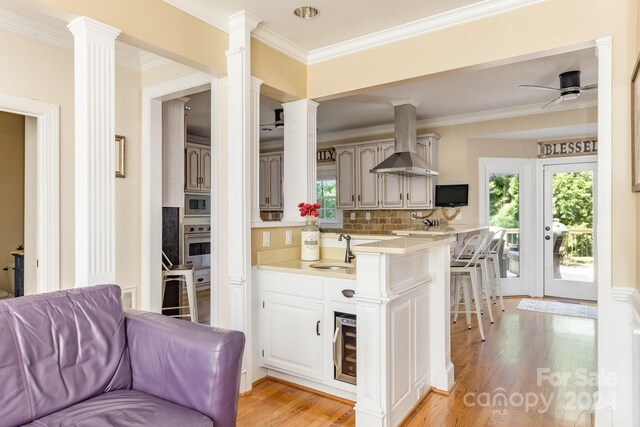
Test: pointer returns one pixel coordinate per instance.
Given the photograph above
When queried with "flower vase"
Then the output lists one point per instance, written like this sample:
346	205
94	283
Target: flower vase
310	246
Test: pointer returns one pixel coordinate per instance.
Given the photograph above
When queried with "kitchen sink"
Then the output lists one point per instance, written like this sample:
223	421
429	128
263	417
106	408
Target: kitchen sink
332	266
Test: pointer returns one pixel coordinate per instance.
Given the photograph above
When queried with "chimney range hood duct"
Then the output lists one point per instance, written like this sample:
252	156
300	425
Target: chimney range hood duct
405	161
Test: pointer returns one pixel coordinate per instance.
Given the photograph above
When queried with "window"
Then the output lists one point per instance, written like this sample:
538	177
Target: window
326	196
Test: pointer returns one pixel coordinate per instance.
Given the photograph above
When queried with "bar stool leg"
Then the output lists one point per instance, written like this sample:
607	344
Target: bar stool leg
191	294
467	300
476	297
498	279
456	289
484	270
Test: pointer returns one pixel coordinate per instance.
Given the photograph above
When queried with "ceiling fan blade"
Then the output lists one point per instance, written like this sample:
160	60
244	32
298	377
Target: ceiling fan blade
552	103
267	124
589	87
536	87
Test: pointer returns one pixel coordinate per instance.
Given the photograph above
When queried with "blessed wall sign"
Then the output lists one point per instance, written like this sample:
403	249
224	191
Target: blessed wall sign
326	155
580	147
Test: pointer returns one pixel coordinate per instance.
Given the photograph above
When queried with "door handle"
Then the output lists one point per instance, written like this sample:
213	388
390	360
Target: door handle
336	348
318	328
348	293
547	237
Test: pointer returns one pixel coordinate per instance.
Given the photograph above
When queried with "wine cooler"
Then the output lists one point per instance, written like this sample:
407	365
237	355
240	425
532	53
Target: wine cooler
344	348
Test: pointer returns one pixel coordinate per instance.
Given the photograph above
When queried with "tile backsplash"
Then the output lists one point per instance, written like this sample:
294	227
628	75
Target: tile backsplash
381	222
271	215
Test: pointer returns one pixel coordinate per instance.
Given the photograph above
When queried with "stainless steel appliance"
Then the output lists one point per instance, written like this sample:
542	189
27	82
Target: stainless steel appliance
344	348
197	245
197	204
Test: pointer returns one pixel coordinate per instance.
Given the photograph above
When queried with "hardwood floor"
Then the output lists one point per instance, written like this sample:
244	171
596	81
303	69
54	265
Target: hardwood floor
506	365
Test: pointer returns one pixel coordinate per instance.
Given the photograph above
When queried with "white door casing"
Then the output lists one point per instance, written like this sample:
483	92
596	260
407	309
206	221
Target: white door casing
48	185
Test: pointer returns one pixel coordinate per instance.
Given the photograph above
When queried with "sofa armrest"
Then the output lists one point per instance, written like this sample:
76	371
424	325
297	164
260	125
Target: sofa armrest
193	365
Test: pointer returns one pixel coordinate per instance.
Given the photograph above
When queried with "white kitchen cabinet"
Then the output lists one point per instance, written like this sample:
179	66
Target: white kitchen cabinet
367	182
420	188
391	186
364	190
270	186
292	334
346	177
197	168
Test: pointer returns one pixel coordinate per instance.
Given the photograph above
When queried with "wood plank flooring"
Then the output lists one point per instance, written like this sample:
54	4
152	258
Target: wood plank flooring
518	344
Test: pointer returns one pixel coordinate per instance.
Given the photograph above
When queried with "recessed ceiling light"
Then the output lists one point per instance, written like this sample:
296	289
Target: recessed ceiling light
306	12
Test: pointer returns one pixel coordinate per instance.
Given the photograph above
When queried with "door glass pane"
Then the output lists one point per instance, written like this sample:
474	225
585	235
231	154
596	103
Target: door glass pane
504	212
573	226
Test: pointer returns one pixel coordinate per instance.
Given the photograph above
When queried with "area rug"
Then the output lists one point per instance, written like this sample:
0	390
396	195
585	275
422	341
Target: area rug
557	307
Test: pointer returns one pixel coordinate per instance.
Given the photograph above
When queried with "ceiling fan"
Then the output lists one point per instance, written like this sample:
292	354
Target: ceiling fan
277	123
569	88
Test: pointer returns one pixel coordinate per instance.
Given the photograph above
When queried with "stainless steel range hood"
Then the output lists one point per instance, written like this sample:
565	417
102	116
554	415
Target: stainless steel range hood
405	161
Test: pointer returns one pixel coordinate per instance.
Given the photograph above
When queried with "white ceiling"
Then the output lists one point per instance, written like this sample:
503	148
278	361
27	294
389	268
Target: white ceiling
338	20
456	94
199	118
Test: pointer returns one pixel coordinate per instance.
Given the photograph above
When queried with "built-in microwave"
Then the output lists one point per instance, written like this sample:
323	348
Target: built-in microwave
197	204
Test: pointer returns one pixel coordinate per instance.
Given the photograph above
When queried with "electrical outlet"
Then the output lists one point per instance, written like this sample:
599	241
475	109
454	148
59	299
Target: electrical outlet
459	216
353	216
367	216
288	237
266	239
270	216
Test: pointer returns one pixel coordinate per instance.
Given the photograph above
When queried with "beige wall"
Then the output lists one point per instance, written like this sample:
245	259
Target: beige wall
25	77
12	191
128	196
285	79
278	236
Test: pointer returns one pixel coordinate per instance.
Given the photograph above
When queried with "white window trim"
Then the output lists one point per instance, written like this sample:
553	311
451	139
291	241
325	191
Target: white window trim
326	172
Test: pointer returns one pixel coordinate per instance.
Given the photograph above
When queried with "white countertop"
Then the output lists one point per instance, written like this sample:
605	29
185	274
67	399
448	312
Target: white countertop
303	267
402	245
447	230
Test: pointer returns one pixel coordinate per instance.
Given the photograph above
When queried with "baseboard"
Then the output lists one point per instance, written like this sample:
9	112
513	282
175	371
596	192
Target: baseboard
308	389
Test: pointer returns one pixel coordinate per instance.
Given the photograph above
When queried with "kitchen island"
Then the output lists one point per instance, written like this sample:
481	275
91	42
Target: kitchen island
402	307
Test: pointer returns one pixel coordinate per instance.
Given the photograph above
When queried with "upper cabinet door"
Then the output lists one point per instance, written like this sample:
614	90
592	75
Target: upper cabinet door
205	169
367	182
420	188
192	181
346	177
391	186
263	177
275	182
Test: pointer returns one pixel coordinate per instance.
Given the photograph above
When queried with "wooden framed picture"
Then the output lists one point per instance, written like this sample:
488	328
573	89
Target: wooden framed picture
635	129
120	156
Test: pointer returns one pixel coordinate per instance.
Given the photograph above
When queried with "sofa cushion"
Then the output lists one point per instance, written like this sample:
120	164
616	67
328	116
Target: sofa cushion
60	348
124	408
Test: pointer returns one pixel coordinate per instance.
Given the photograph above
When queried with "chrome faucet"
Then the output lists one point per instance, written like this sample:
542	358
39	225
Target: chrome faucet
348	255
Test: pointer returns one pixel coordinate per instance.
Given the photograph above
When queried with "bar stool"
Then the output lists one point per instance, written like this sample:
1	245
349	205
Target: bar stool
486	268
467	270
497	246
184	275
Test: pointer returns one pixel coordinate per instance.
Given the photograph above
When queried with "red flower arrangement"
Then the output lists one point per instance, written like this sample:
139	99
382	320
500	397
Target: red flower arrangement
309	209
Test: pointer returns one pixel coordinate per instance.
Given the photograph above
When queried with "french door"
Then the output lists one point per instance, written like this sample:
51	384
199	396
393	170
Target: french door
569	215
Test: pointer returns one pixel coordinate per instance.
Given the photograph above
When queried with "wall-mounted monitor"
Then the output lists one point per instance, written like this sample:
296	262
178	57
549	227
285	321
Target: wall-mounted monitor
452	196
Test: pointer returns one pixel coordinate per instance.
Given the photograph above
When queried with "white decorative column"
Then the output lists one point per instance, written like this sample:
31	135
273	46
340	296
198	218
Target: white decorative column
300	146
255	149
94	78
241	132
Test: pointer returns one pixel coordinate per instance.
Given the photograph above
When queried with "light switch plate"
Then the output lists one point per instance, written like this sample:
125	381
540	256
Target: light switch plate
353	216
367	216
266	239
288	237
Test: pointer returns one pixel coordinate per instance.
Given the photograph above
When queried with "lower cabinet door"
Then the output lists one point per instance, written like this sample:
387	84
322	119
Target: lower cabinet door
292	335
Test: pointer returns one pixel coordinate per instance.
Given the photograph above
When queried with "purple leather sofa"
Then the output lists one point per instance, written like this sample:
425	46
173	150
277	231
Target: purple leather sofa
73	358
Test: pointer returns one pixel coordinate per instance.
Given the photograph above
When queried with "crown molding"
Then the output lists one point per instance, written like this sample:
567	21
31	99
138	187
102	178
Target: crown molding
149	61
444	20
453	120
58	35
204	11
280	43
